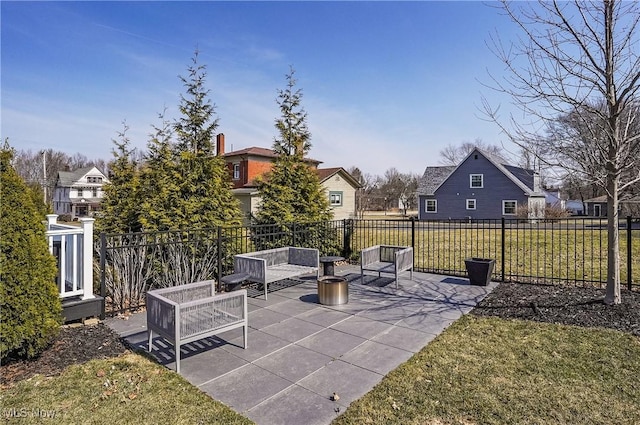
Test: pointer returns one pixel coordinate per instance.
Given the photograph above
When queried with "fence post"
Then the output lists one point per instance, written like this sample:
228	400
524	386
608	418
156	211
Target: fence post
219	285
629	275
293	234
413	233
345	235
103	263
502	243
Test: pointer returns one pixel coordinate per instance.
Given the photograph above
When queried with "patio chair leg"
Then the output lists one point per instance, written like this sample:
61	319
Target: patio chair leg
150	346
244	334
177	347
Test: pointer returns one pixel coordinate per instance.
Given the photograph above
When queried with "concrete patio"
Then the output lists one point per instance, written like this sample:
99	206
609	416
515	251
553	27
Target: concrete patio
301	352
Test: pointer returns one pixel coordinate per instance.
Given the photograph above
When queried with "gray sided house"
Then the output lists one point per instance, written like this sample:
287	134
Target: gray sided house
480	187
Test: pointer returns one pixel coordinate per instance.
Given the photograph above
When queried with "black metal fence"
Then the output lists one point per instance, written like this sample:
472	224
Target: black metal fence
564	251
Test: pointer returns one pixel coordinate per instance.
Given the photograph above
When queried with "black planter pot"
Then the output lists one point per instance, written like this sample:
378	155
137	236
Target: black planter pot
480	270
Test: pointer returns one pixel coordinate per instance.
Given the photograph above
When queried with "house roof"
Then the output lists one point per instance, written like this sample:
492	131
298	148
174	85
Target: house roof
603	200
68	178
254	150
323	174
263	152
326	173
598	199
434	177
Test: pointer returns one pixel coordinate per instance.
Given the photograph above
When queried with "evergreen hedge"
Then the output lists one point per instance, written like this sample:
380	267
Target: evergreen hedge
30	308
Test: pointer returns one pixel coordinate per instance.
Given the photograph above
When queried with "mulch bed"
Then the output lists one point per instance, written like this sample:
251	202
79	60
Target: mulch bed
73	345
564	305
541	303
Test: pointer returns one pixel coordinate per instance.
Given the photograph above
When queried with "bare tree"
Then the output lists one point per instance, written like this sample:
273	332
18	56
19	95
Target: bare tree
578	61
454	154
399	189
365	192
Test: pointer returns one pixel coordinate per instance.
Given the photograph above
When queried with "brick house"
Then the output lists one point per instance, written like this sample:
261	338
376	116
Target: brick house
245	165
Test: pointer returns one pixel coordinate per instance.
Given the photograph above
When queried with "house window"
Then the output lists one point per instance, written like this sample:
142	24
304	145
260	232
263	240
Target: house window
335	199
471	204
80	193
476	181
431	205
236	171
95	192
509	207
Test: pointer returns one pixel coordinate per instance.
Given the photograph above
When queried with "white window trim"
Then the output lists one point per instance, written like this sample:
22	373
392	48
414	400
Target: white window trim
335	193
236	171
471	176
515	209
426	206
474	204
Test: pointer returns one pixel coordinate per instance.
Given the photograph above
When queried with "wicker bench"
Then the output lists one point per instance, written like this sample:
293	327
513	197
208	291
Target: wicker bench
187	313
271	265
386	259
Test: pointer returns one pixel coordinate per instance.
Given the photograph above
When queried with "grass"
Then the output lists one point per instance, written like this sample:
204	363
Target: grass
550	254
495	371
126	390
479	371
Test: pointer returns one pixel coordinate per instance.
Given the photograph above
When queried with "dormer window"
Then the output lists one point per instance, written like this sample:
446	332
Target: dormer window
236	171
476	181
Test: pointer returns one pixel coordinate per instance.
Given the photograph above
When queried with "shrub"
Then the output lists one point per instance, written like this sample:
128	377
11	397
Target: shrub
30	309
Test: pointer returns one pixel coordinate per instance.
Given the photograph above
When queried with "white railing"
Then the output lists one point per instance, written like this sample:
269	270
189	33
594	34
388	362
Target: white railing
73	248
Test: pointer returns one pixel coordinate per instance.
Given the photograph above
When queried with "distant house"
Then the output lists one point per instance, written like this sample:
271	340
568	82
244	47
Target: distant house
597	207
246	165
575	207
554	199
78	193
341	188
480	187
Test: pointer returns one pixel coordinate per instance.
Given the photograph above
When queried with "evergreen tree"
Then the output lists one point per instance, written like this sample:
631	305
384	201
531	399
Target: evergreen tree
120	204
160	177
37	196
291	192
205	198
30	309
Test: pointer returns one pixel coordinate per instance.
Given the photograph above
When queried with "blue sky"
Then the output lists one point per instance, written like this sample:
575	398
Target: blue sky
385	84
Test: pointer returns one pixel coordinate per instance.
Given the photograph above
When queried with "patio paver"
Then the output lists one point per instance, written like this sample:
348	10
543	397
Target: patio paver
300	352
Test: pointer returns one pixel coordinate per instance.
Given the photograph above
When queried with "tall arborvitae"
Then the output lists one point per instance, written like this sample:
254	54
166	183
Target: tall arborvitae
291	192
160	182
121	201
30	310
205	185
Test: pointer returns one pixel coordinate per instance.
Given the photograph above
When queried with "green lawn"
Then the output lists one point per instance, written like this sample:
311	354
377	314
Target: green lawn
479	371
495	371
553	254
125	390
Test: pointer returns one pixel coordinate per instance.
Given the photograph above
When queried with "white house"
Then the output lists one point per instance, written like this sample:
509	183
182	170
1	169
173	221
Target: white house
341	188
338	184
78	193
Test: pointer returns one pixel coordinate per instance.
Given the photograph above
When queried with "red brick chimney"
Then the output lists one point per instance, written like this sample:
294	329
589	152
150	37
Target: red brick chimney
220	144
